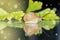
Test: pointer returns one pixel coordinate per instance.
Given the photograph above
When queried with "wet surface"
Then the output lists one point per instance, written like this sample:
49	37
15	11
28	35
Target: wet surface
18	34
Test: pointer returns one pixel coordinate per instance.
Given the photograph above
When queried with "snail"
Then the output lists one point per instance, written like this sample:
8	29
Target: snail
31	26
31	29
31	18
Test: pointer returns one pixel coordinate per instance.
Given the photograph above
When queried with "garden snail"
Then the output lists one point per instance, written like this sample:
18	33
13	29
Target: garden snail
31	29
31	26
31	18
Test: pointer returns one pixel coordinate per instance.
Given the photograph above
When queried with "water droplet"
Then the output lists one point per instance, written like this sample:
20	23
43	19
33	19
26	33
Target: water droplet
19	39
56	34
46	5
1	31
5	37
15	6
2	3
55	9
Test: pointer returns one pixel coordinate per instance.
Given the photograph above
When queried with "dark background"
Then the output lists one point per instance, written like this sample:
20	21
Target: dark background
51	4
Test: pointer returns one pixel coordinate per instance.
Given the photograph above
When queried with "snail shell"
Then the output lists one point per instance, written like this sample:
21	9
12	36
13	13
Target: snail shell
31	29
31	26
30	16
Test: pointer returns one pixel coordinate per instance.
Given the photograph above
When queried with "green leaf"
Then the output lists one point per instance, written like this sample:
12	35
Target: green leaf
9	16
38	32
47	24
3	14
2	18
2	25
34	5
43	12
16	24
17	15
47	14
51	16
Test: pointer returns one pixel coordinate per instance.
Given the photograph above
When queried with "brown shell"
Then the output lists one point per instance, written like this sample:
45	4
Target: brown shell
31	29
30	16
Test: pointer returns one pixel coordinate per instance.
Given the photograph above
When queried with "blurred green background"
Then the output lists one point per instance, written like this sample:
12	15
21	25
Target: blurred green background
10	33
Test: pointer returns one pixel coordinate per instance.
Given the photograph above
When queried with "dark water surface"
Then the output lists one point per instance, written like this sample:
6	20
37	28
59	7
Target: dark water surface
53	34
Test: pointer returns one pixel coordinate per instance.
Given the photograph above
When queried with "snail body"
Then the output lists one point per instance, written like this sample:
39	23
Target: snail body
31	26
31	18
31	29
